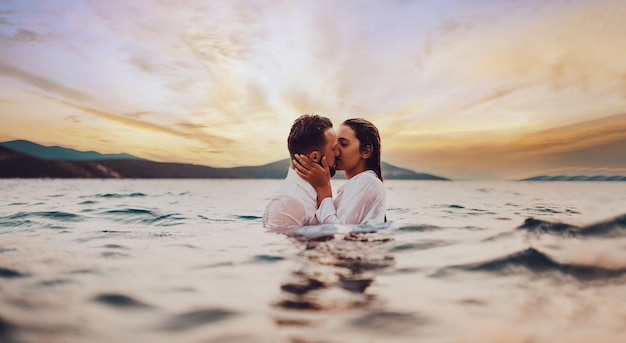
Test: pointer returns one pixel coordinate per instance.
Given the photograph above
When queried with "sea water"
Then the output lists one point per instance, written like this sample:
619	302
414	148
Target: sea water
188	261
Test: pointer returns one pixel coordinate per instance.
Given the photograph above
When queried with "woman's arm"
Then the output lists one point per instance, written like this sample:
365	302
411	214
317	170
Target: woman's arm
360	201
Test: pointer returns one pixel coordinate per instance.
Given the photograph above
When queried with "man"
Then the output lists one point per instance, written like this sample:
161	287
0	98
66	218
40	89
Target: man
295	201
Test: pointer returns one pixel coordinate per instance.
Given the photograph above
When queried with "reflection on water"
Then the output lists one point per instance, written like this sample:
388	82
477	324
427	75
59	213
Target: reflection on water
335	273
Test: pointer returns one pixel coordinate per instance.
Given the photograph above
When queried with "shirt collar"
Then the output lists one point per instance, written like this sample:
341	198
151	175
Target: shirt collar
292	176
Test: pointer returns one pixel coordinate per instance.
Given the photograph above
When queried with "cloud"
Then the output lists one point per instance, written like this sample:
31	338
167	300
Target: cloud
43	83
77	100
493	96
566	46
25	36
190	133
598	143
138	114
191	126
73	118
573	137
143	64
3	19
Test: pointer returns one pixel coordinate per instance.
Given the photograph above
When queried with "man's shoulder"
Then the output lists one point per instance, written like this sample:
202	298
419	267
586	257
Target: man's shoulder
285	197
291	188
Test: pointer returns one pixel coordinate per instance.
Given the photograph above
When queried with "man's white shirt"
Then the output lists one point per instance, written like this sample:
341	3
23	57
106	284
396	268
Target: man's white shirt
293	204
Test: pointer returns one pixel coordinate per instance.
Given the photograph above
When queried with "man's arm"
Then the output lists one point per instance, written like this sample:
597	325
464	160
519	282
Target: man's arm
284	211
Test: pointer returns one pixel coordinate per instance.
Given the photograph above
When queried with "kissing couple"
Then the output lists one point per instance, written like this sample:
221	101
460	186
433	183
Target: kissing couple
305	197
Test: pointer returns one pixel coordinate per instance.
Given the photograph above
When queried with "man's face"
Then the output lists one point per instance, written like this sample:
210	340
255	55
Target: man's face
331	150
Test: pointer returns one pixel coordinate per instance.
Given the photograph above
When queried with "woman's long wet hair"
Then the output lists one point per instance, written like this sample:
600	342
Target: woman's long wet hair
368	135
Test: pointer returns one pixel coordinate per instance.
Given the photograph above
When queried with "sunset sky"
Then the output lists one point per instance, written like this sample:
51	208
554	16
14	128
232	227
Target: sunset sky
463	89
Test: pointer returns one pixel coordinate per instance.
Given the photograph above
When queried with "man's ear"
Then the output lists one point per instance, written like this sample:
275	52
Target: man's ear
314	156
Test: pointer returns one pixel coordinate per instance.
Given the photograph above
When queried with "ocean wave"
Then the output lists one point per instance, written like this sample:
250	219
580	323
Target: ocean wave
143	216
536	261
88	202
391	322
120	195
7	273
54	282
541	226
24	218
194	319
615	227
248	217
119	301
130	211
419	228
267	258
7	329
422	245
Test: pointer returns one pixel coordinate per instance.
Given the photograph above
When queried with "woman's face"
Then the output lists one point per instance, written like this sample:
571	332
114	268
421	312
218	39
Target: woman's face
349	150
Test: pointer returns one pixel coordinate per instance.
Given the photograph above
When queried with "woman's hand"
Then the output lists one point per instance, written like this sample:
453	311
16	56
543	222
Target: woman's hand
317	175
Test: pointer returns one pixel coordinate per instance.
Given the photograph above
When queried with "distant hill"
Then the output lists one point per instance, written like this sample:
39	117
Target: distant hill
575	178
278	170
396	173
17	164
61	153
14	164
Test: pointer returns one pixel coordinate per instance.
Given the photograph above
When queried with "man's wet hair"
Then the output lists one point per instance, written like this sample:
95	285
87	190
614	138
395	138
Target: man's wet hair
308	134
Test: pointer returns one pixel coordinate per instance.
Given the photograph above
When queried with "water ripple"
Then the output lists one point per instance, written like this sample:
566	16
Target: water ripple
423	245
23	218
412	228
195	319
138	215
119	195
389	321
267	258
119	301
7	273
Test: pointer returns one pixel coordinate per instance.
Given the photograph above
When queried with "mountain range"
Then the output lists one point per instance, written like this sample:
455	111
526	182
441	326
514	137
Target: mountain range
576	178
61	153
25	159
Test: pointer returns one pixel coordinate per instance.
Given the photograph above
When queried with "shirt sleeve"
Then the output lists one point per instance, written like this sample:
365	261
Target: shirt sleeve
362	202
284	211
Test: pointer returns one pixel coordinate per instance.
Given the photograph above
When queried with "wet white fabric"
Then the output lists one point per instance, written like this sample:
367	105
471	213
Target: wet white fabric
361	200
293	204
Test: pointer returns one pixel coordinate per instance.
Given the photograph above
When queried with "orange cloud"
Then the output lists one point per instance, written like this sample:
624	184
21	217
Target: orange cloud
190	133
596	144
43	83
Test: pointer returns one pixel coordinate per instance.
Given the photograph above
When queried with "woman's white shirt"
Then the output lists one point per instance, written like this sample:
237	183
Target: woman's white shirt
361	200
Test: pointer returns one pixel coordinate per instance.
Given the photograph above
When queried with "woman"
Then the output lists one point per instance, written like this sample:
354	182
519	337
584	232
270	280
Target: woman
362	199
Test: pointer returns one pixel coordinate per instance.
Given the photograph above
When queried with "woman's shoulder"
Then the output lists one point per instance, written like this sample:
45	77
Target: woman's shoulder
368	177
